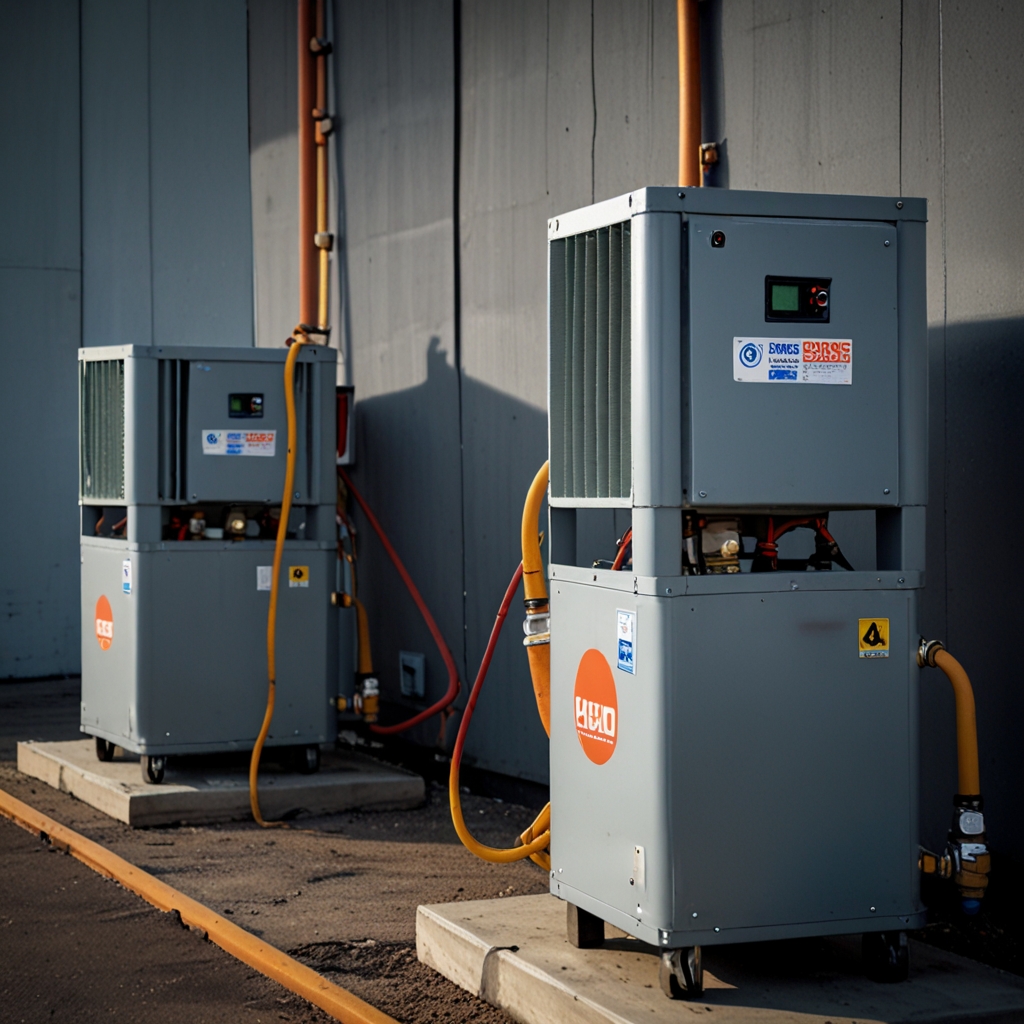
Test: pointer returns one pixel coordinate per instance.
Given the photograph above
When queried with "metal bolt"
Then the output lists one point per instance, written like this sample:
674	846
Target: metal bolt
886	243
885	490
872	910
703	494
794	585
899	204
901	580
668	590
682	195
694	913
717	929
631	881
296	494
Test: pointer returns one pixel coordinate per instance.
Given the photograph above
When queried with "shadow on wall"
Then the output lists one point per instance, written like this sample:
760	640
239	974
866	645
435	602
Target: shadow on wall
452	538
984	602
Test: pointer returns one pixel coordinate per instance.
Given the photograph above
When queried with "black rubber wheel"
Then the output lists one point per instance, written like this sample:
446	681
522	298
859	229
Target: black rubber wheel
104	750
681	973
886	956
153	768
307	759
584	930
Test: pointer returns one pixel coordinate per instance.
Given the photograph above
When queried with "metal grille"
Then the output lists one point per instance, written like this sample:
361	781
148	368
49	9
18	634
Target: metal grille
589	331
101	429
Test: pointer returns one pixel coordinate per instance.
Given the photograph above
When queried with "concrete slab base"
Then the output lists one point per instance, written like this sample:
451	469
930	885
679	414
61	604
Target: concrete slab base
514	953
220	794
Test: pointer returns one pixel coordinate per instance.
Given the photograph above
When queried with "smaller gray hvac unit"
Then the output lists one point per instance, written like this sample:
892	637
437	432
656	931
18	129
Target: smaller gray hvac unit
734	733
182	461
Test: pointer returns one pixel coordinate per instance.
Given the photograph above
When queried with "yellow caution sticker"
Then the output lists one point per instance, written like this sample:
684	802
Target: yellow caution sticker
298	575
873	638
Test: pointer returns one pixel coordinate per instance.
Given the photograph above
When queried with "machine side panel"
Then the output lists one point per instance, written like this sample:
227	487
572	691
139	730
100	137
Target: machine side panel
792	760
913	326
109	675
779	442
203	651
241	478
603	812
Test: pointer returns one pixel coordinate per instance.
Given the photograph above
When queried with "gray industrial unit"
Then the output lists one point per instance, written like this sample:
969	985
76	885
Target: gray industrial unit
182	461
734	752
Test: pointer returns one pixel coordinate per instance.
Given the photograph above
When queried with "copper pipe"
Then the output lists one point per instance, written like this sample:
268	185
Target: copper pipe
321	168
689	93
308	257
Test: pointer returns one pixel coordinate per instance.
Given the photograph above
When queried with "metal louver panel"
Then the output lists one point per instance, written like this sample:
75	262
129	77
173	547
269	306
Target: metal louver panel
101	408
589	332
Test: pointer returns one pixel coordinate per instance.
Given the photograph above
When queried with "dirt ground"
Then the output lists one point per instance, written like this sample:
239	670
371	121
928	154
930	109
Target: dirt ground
338	892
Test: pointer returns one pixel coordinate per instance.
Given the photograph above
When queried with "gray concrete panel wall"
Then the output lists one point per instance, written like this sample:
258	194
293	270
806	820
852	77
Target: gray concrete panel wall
396	111
166	218
40	304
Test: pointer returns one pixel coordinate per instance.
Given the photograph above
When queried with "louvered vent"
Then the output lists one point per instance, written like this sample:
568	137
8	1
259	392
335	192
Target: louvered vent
101	433
590	372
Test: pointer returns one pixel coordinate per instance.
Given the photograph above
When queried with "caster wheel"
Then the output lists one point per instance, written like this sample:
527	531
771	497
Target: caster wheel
585	930
886	956
153	768
307	759
681	974
104	750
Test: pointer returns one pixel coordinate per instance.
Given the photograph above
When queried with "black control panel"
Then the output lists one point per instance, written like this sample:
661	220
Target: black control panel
245	406
797	299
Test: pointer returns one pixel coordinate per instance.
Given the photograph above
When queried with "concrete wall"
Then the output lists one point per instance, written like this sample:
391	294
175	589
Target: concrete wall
125	214
40	309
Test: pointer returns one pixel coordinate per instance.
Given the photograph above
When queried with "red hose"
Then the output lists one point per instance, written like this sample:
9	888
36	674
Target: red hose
449	662
620	555
485	664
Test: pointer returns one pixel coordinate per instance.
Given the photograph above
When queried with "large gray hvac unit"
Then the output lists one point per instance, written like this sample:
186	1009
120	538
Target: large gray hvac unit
182	460
734	753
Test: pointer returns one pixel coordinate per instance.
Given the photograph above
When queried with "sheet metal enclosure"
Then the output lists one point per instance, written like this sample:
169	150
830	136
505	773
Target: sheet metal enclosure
764	778
185	670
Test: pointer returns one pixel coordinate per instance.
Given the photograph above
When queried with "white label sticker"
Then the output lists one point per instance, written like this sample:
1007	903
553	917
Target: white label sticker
264	574
126	576
239	442
625	636
792	360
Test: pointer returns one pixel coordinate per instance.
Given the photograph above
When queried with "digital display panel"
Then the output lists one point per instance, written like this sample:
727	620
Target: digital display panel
245	406
798	299
785	298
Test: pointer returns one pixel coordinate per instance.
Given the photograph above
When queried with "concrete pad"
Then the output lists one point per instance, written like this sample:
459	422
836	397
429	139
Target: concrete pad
222	794
513	952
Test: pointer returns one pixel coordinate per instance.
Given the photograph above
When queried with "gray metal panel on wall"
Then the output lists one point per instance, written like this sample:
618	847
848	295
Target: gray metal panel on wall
396	110
199	172
40	289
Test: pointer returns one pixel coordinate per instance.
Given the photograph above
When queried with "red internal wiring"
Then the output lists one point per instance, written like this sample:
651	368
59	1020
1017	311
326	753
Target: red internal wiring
485	664
453	673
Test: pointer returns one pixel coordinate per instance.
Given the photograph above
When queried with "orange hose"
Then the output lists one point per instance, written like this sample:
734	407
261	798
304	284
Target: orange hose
449	662
620	555
966	725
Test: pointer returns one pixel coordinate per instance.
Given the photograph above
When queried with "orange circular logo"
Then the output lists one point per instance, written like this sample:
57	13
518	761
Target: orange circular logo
597	707
104	623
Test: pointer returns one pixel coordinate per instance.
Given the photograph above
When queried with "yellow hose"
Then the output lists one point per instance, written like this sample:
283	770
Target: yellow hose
535	589
275	579
966	726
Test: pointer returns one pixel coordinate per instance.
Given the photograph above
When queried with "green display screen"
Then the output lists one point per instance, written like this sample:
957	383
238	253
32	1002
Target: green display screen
785	298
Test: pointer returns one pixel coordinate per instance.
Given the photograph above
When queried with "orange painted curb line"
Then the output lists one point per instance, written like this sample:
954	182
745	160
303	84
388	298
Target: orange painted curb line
294	976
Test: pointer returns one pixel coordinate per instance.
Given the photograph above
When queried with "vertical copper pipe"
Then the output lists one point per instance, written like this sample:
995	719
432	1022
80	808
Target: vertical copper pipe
323	253
307	168
689	93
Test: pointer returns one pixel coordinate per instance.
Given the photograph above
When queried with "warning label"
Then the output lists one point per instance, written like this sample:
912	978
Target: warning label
873	638
239	442
104	619
792	360
298	575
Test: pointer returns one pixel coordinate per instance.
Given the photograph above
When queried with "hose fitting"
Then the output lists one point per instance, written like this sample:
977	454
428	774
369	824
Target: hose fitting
926	652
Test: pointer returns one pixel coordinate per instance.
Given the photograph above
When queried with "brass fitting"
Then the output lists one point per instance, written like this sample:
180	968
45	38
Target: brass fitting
926	652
